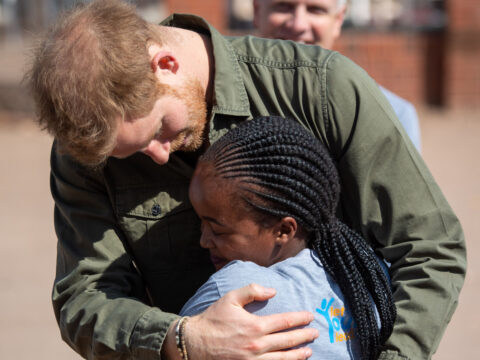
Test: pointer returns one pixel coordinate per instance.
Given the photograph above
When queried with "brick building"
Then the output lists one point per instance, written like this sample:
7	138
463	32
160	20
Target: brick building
436	66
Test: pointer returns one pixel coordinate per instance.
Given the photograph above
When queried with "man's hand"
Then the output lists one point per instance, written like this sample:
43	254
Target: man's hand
227	331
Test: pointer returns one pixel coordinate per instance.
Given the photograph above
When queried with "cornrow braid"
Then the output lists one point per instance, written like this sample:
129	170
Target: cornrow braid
282	170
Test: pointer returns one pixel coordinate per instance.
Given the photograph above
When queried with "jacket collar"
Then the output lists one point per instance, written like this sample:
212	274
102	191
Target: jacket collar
230	96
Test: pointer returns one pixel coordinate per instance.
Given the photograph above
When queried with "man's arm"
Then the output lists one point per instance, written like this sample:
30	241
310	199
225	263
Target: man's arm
226	331
99	297
389	195
407	115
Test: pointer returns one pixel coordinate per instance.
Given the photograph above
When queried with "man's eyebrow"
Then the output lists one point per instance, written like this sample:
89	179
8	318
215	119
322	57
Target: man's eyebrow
210	219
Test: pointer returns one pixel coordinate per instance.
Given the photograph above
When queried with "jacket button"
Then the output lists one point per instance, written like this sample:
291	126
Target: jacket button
156	210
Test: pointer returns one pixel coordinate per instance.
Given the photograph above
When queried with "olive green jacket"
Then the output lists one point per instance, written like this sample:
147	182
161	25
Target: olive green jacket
128	238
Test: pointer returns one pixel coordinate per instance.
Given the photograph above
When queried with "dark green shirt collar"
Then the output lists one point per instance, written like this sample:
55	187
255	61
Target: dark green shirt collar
230	96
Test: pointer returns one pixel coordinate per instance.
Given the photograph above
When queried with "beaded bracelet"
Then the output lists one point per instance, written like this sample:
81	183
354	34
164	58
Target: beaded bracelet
180	337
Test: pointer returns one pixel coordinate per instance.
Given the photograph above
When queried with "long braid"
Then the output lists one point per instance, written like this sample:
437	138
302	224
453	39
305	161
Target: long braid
282	170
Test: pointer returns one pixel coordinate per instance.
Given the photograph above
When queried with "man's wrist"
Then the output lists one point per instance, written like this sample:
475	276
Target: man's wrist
180	337
169	348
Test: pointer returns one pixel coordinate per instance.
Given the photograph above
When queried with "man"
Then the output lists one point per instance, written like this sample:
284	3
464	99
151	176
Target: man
140	102
319	22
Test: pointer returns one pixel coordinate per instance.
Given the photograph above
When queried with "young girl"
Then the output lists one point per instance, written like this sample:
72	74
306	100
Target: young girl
266	194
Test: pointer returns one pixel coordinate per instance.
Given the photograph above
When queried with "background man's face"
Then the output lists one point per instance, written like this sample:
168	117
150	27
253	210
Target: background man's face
315	22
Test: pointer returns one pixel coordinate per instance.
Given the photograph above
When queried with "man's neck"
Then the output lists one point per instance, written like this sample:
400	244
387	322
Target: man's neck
195	54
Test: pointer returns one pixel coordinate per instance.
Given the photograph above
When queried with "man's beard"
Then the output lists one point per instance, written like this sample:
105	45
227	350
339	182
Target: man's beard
192	96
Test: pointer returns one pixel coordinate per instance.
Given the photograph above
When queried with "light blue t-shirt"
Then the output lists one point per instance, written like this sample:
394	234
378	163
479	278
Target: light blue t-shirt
302	284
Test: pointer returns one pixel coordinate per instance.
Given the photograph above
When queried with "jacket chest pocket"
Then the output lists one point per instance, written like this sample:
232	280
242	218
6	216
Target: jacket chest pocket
163	233
161	227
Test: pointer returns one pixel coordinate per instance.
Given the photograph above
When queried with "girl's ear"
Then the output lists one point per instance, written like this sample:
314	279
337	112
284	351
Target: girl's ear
285	230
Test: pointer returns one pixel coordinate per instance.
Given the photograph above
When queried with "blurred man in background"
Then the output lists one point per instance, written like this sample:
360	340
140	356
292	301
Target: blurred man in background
319	22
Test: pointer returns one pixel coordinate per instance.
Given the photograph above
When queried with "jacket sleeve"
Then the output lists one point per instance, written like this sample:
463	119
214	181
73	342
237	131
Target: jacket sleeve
407	115
98	296
389	195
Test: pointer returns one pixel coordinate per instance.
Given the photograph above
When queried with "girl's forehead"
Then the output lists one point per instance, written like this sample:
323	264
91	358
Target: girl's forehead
210	180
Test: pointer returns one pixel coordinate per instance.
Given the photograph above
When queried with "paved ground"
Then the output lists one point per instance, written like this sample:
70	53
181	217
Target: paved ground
27	326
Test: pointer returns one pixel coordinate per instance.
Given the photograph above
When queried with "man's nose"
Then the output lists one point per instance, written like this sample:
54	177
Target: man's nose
158	151
298	21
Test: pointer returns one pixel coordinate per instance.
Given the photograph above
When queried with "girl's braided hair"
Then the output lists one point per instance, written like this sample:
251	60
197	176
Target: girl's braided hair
281	170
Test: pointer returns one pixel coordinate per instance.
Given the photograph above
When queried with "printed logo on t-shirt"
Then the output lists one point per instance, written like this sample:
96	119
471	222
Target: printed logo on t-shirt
340	322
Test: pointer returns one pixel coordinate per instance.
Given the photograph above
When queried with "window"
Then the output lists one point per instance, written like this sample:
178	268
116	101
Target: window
367	14
388	14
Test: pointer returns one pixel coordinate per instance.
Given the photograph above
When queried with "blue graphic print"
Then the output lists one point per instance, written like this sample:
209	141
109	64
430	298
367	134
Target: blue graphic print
340	322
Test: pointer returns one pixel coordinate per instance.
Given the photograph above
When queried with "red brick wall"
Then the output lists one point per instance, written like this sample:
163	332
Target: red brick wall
406	63
463	15
395	61
463	80
462	83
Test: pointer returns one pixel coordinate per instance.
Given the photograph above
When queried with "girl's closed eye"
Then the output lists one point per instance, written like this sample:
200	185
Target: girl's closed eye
216	233
213	229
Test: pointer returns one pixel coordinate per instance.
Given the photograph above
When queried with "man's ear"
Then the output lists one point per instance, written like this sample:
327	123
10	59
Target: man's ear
339	18
286	230
162	60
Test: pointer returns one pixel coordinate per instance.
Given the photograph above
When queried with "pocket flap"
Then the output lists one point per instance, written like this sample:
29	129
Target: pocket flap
152	202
